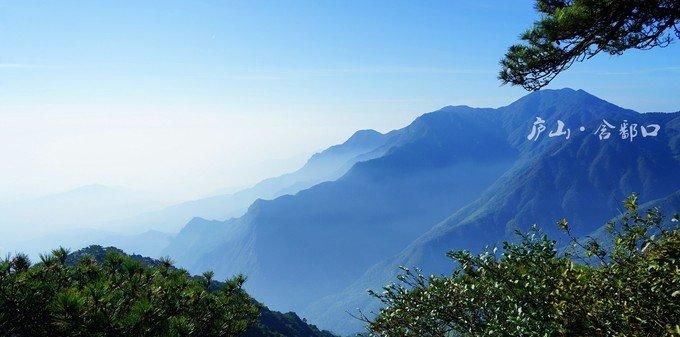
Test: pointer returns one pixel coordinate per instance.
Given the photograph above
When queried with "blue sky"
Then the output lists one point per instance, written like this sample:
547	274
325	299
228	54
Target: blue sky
188	97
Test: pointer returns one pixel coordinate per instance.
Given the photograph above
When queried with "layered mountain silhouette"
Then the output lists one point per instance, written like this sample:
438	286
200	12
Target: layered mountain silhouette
148	243
327	165
298	248
91	205
583	179
72	217
314	240
134	222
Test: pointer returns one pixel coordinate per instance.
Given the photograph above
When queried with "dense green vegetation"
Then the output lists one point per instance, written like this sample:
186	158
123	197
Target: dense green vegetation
627	287
99	291
575	30
119	297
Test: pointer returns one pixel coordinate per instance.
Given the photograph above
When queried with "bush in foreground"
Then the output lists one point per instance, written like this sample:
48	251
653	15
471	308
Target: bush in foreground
628	287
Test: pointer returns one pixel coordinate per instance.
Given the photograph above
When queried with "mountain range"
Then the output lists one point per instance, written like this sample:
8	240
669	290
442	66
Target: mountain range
456	178
340	228
133	221
315	239
74	218
327	165
583	179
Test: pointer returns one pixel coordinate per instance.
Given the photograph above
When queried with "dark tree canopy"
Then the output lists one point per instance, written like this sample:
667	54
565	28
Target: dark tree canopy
117	297
575	30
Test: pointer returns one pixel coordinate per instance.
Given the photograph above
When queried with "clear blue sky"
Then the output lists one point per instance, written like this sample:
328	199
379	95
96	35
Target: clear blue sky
199	95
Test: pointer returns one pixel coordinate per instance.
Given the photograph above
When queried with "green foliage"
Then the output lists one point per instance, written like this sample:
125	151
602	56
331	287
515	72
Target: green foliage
118	296
628	287
574	30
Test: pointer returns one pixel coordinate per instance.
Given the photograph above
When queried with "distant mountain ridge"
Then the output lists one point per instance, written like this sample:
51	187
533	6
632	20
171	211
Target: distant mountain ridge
105	203
148	243
327	165
342	227
56	217
583	179
131	221
314	240
472	172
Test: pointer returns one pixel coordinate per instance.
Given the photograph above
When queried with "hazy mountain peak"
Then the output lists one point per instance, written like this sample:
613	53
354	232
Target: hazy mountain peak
455	107
566	98
575	108
360	142
363	136
443	115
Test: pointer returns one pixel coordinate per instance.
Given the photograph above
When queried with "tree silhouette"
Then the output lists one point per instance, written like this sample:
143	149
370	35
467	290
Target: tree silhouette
575	30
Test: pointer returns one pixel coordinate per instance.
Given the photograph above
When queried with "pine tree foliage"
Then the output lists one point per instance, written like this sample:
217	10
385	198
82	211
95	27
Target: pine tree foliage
574	30
118	297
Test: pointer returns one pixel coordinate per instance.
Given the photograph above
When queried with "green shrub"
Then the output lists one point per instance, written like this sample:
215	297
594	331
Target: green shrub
628	287
118	297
